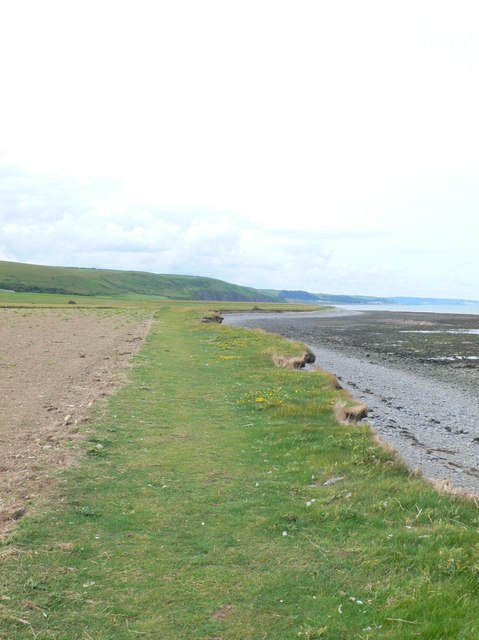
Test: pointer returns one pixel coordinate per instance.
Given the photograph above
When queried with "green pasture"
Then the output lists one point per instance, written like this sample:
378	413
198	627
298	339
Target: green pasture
30	278
138	301
218	498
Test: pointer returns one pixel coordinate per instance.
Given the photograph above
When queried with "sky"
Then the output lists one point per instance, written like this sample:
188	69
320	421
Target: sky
304	144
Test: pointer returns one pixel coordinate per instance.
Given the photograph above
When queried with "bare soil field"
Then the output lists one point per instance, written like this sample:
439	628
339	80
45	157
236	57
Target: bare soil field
54	364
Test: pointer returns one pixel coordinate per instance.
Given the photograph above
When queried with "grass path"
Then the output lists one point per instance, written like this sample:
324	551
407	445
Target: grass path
219	499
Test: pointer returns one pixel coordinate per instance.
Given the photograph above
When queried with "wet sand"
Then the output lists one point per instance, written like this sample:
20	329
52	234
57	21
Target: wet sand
417	372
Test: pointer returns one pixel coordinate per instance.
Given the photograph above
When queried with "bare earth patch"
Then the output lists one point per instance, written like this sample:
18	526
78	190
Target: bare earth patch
54	364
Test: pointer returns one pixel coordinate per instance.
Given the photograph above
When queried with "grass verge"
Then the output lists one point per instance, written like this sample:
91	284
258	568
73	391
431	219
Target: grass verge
218	498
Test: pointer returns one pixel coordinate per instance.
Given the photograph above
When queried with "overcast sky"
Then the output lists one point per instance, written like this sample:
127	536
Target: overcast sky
331	146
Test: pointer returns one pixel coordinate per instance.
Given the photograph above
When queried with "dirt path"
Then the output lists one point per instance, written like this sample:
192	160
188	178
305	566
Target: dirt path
54	363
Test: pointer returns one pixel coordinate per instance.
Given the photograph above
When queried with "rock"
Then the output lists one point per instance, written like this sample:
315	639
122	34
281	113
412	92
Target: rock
333	481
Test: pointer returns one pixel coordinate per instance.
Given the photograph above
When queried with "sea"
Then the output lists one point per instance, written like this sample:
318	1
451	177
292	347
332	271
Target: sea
419	308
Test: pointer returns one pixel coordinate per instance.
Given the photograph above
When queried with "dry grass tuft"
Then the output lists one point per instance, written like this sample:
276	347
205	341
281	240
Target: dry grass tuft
385	446
348	414
295	362
213	317
447	488
223	613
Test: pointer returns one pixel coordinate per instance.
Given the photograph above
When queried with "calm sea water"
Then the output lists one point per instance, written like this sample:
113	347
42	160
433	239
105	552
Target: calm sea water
421	308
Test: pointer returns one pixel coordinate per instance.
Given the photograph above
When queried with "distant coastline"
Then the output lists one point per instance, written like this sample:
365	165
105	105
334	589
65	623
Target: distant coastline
472	308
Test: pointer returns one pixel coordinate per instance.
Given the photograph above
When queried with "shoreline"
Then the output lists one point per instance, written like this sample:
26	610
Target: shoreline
427	411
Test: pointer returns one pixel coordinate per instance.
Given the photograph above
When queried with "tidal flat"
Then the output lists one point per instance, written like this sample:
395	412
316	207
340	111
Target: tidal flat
418	373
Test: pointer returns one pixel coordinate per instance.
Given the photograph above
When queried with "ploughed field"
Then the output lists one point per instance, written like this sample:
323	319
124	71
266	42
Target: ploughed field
54	363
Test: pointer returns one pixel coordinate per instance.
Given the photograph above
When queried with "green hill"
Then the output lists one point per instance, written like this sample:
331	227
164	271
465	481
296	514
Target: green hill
305	297
17	276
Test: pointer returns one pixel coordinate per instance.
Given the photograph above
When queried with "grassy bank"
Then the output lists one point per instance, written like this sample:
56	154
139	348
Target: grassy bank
218	498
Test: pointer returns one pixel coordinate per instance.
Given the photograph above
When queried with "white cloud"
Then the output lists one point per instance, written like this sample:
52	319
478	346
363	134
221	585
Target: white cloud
314	145
78	228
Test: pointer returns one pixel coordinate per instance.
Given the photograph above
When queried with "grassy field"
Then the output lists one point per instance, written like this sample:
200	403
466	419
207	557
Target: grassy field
219	499
21	277
136	301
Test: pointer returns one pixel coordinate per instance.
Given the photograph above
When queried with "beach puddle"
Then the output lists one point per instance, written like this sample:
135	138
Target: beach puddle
452	358
453	331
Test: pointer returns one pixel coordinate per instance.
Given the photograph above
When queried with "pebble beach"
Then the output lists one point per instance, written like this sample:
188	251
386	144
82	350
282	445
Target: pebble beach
418	373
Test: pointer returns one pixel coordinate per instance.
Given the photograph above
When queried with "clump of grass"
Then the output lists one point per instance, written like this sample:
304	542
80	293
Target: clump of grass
294	362
348	414
446	487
